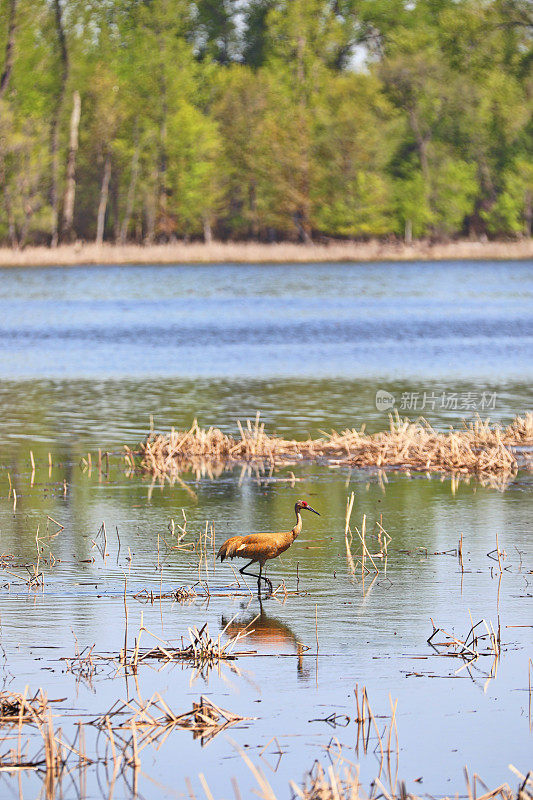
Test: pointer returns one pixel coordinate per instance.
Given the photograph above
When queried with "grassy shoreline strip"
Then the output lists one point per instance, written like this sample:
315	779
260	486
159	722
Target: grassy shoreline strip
256	252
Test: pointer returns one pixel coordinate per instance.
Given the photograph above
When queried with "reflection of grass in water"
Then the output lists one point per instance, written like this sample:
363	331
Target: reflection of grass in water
340	780
126	729
334	783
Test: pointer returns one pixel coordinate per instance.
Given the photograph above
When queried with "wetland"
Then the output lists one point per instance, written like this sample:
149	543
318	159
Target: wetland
132	663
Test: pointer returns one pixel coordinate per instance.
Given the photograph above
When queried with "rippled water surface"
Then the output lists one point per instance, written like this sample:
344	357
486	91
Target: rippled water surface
88	354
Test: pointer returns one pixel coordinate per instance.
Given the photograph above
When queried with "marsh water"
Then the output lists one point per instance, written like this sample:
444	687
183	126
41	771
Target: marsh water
92	357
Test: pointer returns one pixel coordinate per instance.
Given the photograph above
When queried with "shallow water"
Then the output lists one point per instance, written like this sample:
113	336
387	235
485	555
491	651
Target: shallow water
88	354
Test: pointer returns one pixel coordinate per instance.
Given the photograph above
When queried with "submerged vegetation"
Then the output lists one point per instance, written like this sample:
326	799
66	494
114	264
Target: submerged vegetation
479	448
269	119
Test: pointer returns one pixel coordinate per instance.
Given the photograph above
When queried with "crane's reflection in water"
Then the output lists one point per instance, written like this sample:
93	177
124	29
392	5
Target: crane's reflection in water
269	634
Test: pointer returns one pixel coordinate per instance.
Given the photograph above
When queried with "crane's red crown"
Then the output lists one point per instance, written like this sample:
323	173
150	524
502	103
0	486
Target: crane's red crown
303	504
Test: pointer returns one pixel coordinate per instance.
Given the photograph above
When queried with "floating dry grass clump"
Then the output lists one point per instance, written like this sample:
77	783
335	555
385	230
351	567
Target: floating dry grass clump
161	454
473	645
50	750
201	652
16	708
153	720
476	644
479	447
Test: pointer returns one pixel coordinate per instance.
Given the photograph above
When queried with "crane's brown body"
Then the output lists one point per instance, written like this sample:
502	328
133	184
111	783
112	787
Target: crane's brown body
260	547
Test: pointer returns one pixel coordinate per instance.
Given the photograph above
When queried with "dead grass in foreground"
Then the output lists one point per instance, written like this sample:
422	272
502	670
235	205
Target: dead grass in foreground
479	448
256	252
331	784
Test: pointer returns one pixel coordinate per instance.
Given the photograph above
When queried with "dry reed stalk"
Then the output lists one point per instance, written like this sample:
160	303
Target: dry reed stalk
35	579
471	647
529	669
383	540
347	530
81	665
500	556
124	653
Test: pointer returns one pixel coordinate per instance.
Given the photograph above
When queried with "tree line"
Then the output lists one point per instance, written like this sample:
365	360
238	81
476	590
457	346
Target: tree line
150	120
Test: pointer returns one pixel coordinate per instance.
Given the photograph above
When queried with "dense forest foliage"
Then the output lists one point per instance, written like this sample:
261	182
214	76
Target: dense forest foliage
147	120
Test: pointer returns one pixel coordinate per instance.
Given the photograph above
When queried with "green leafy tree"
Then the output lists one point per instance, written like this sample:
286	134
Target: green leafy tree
270	118
513	210
195	190
24	163
215	33
354	136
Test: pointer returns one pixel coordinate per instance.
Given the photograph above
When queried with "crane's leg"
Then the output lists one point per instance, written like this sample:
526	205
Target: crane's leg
259	577
268	583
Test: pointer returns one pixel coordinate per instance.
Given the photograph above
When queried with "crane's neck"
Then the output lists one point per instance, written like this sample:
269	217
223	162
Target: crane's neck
298	527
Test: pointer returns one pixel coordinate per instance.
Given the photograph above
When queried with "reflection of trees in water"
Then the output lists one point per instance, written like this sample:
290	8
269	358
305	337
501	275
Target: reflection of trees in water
267	632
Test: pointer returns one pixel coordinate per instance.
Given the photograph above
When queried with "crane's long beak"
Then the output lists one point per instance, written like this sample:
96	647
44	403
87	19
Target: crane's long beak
308	508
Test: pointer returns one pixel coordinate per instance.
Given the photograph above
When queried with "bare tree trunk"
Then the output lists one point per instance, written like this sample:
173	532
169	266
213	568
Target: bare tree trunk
10	46
162	217
131	191
115	183
208	232
422	141
161	222
301	223
56	123
70	190
528	213
24	230
150	206
252	194
11	227
102	205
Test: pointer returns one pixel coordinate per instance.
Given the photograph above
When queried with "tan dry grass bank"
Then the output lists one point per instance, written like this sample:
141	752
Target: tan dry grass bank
253	252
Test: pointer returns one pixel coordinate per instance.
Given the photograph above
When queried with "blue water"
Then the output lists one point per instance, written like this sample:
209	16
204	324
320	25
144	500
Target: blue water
466	321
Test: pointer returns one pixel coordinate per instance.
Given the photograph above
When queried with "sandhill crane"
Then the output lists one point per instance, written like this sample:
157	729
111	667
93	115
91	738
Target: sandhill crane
260	547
